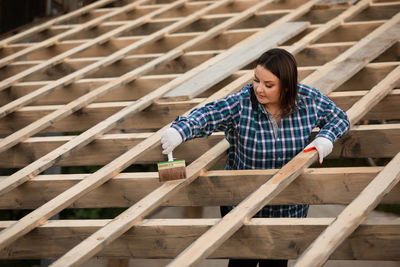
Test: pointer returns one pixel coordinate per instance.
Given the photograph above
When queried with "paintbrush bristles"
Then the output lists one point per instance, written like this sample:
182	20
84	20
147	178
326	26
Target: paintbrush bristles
171	170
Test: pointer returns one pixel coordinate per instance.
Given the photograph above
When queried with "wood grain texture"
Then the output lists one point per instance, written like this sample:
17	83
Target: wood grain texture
283	238
351	217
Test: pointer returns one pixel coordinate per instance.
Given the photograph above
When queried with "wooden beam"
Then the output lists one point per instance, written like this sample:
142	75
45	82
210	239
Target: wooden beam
214	188
282	238
351	217
340	67
362	141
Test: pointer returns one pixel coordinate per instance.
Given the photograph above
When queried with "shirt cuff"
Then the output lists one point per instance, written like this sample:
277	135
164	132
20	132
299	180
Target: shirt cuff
181	124
328	135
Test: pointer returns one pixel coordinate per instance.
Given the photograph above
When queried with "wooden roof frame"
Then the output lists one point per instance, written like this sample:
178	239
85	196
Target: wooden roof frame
351	59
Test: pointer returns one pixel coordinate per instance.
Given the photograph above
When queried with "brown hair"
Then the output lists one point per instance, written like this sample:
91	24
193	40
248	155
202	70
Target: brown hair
283	65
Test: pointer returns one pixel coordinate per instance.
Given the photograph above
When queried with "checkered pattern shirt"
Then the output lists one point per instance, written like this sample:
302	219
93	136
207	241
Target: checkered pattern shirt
257	141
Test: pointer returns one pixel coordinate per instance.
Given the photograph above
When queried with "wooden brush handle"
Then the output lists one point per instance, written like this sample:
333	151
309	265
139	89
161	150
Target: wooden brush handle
170	157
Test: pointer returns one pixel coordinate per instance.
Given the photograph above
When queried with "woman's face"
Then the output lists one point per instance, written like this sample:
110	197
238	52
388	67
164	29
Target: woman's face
267	87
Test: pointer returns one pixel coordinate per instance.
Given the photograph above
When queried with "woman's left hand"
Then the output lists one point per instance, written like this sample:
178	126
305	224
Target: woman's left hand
323	146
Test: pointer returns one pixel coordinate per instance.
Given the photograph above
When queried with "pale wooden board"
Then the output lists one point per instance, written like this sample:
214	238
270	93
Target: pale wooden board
281	238
351	217
241	57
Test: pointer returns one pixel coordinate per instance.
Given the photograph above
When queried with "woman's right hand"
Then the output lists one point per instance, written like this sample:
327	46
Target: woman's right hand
170	139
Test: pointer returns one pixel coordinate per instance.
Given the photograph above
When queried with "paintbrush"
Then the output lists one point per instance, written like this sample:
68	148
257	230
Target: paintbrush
171	169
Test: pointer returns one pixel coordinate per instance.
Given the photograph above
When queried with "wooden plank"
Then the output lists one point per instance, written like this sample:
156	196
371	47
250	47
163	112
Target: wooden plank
84	100
98	40
362	141
53	40
351	217
375	239
214	188
6	42
231	222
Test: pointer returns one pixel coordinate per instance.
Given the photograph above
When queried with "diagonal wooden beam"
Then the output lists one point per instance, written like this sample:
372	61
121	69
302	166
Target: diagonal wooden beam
351	217
220	232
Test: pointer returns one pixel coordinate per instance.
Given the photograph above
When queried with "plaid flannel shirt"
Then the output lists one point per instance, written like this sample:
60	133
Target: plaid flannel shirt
257	141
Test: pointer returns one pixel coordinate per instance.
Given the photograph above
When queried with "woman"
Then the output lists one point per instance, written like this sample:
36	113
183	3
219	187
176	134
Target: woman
266	123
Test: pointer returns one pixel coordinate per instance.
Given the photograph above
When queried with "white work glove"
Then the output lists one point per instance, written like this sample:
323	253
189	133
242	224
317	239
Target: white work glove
323	146
170	139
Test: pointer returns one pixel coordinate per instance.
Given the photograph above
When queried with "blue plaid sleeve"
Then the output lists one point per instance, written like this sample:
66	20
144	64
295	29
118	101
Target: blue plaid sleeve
215	116
332	121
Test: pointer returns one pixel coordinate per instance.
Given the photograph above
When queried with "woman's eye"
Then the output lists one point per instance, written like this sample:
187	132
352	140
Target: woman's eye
256	81
268	86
